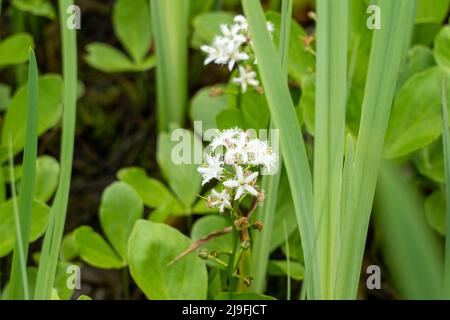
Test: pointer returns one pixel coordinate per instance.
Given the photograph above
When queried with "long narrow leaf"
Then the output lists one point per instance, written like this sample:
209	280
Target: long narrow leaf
331	94
19	280
170	28
386	56
55	229
291	139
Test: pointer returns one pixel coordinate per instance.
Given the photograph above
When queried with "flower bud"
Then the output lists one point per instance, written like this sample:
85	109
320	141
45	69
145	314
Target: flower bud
246	244
241	223
203	254
258	225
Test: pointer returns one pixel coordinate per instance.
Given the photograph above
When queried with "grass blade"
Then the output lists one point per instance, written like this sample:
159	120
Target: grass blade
271	183
446	147
291	139
55	229
410	247
386	56
18	284
331	95
170	30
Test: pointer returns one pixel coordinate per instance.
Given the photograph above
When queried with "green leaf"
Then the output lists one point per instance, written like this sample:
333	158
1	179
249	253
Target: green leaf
93	249
47	174
415	116
435	211
84	297
39	220
242	296
205	107
120	208
152	192
419	59
230	118
175	159
425	33
255	111
430	161
205	226
14	49
50	110
301	63
69	249
5	96
107	59
308	101
131	20
43	8
279	268
207	26
152	247
442	48
431	11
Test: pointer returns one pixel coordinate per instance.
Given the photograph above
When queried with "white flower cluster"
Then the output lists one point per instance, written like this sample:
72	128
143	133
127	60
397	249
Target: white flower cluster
234	159
233	47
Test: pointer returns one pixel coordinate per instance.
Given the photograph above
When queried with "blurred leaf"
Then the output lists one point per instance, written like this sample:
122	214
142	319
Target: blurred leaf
50	110
435	211
207	26
255	111
419	59
205	107
47	175
132	24
242	296
175	158
301	62
431	11
120	208
93	249
425	33
152	192
39	220
15	49
69	249
43	8
409	246
415	116
84	297
308	100
430	161
5	96
197	7
152	247
279	268
295	246
442	48
106	58
230	118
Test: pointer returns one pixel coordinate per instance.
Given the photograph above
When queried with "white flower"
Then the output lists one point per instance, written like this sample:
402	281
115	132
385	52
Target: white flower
220	200
241	21
212	169
270	27
226	138
233	34
243	184
247	77
235	56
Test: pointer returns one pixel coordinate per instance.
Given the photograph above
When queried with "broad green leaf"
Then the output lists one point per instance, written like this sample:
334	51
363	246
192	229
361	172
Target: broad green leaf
419	59
69	249
280	268
207	26
204	227
93	249
230	118
430	161
131	20
47	174
175	156
242	296
205	108
301	62
43	8
308	100
255	110
442	48
50	110
152	192
39	220
425	33
197	7
152	247
435	211
295	248
415	116
107	59
14	49
120	208
84	297
431	11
